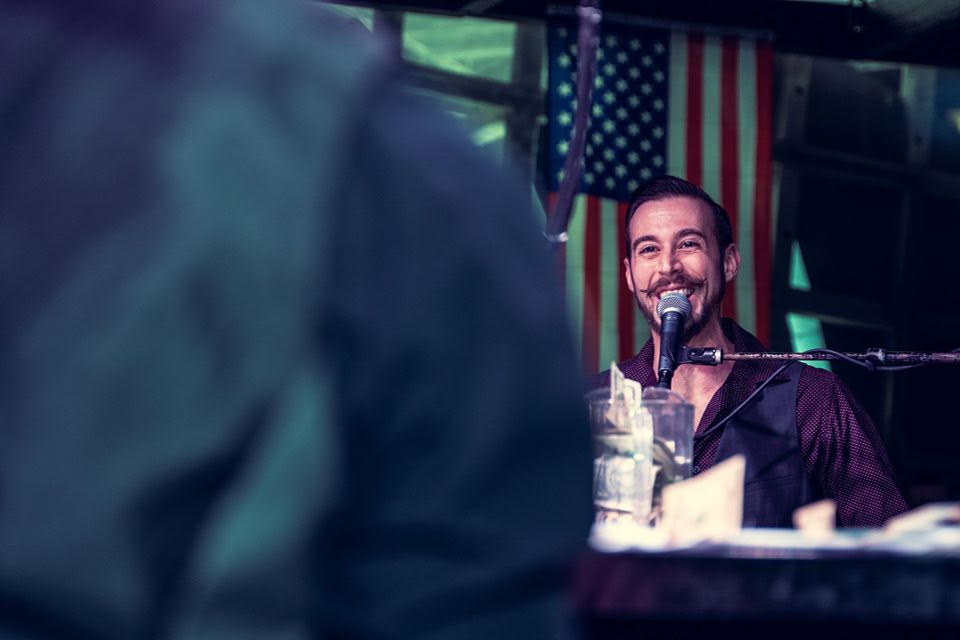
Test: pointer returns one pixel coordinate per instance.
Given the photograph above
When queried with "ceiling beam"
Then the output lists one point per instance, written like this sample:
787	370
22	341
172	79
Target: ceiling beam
908	31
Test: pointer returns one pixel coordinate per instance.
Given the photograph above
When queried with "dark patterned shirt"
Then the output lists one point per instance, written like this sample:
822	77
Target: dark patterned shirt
841	448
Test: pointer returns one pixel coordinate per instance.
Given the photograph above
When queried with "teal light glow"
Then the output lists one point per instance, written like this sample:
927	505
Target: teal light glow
806	332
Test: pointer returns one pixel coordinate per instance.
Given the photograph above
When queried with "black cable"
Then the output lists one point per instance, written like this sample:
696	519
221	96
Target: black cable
870	365
750	397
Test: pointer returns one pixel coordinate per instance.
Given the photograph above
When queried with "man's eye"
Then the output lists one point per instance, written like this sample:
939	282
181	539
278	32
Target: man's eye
689	244
647	249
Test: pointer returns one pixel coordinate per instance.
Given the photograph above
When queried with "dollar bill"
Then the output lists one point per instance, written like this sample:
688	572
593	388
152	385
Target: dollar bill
706	507
624	390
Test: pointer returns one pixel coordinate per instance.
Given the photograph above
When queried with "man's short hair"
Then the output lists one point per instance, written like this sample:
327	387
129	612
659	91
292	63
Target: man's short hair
663	187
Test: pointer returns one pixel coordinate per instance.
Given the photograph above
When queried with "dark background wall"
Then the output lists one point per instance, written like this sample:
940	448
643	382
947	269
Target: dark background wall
866	180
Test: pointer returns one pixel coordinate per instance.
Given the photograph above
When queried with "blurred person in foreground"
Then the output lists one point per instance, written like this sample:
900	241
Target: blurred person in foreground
804	436
281	353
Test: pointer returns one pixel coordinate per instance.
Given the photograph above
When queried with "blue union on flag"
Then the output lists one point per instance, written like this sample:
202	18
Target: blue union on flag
664	102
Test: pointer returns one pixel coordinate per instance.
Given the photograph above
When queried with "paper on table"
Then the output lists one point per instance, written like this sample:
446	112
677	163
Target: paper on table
707	507
924	517
817	519
929	529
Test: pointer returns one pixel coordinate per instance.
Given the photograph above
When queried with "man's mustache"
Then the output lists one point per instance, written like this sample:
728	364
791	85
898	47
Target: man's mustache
682	282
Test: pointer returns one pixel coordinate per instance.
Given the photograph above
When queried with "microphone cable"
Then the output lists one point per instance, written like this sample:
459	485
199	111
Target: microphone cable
868	365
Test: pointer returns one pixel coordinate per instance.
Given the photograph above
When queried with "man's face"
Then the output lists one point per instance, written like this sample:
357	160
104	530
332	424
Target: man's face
673	246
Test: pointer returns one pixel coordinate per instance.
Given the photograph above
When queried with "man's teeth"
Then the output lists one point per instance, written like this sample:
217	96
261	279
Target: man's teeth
686	292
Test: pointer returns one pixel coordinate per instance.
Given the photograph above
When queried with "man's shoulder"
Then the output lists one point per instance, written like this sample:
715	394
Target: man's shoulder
598	380
817	380
821	392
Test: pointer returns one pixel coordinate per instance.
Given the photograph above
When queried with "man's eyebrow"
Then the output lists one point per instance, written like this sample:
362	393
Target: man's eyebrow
691	232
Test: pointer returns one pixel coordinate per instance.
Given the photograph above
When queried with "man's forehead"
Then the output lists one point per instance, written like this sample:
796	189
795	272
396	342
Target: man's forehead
666	216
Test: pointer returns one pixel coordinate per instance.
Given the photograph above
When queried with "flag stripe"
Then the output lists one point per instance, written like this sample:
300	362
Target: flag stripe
712	150
591	285
575	275
694	123
747	121
729	184
694	101
641	330
710	114
625	301
762	236
677	106
610	282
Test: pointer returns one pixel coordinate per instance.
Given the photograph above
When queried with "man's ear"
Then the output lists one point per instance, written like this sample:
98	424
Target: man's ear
628	275
731	262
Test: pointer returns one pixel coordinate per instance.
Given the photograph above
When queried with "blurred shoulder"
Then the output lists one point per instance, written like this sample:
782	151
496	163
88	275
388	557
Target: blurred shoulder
598	380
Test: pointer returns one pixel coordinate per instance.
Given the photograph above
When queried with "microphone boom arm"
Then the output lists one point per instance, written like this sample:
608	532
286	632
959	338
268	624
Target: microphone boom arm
588	40
877	357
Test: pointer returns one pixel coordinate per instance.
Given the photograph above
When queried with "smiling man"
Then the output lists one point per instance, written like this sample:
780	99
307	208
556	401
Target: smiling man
804	436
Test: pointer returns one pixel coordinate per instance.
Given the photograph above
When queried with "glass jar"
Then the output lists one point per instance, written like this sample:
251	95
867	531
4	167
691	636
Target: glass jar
671	419
622	461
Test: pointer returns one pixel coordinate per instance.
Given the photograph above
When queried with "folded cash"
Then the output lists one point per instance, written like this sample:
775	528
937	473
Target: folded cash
624	389
706	507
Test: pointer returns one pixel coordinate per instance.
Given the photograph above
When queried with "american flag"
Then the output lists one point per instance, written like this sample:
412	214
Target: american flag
692	105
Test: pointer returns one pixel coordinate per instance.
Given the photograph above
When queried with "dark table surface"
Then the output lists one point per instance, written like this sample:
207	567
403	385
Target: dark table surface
808	593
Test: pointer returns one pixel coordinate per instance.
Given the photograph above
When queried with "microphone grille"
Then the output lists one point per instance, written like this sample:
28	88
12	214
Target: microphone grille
674	302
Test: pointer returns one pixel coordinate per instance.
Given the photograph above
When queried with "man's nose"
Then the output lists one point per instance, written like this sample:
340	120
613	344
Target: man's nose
669	262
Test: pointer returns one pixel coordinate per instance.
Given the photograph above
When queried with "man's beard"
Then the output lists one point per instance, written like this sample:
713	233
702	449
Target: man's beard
695	322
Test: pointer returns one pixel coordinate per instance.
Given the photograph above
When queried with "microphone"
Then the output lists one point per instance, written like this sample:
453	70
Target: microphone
673	309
